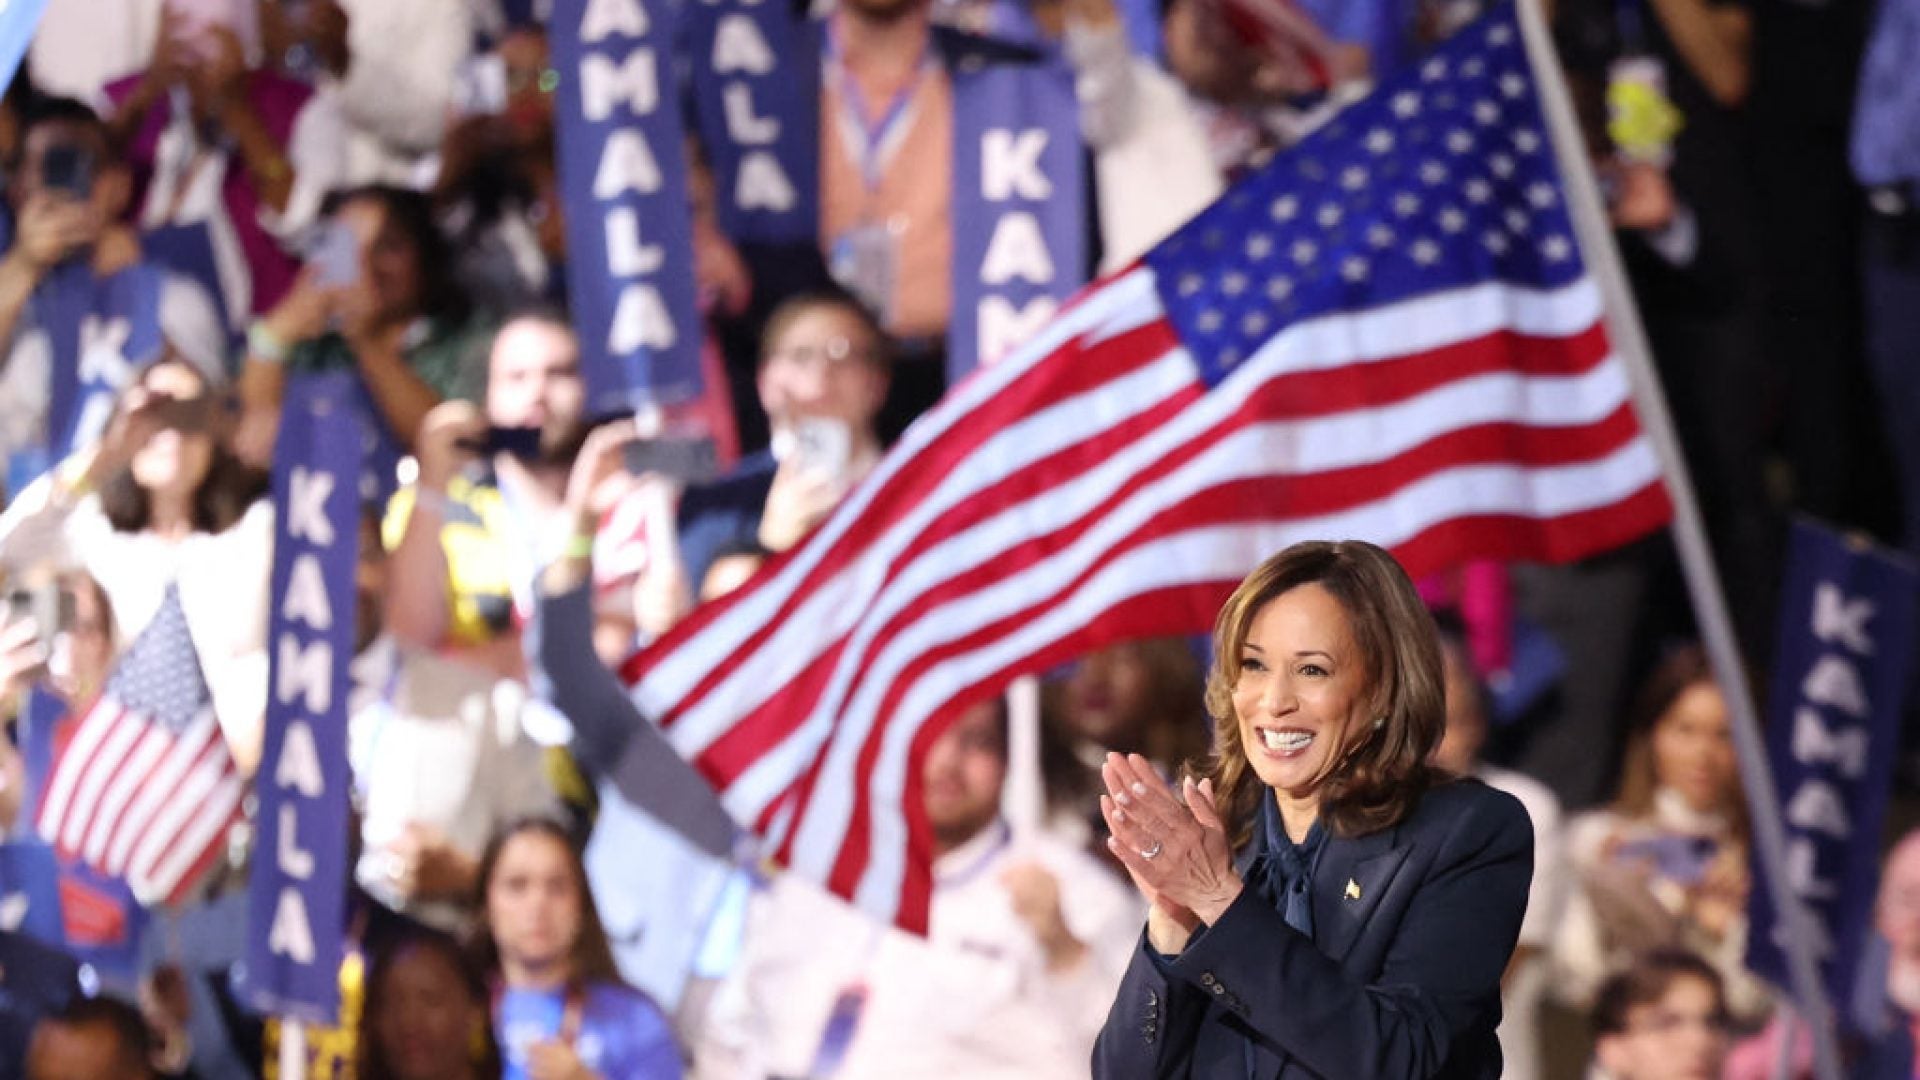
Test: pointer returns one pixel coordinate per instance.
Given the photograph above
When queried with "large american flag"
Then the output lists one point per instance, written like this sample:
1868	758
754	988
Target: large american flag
145	789
1388	334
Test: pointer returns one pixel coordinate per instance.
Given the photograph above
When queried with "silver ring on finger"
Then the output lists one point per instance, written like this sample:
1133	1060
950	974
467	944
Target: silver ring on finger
1154	851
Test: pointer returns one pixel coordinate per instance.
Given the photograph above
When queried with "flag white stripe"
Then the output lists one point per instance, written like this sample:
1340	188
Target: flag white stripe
188	798
212	814
72	764
99	771
1211	554
1124	303
127	782
1322	344
1271	449
1319	444
159	787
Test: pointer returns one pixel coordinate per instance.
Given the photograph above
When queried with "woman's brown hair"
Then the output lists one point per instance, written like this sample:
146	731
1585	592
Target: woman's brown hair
483	1052
1680	670
1375	782
592	959
224	493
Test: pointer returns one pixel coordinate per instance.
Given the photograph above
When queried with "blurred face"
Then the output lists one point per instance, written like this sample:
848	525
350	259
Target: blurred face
1107	697
176	459
389	262
822	367
426	1028
533	380
534	902
884	10
1466	731
1693	748
83	653
530	81
1302	694
1683	1036
80	1052
964	771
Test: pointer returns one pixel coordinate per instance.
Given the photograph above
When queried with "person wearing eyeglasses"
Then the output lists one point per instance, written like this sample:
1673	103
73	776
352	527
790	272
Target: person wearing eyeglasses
1664	1018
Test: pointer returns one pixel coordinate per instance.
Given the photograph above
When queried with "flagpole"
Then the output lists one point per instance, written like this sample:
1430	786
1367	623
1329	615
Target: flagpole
1689	533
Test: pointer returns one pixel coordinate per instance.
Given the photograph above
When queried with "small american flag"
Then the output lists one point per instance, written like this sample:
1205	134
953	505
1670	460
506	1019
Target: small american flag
145	790
1387	334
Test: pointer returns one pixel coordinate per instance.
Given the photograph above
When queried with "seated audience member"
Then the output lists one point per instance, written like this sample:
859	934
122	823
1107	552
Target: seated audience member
215	139
1663	1018
561	1008
1524	983
823	377
159	503
73	259
425	1016
1666	865
97	1038
1026	943
394	314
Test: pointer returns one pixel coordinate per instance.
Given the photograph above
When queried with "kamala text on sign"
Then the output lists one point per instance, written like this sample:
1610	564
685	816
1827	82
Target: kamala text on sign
298	893
1846	638
623	174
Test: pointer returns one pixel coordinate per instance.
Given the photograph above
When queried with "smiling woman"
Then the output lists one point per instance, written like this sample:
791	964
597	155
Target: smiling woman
1321	903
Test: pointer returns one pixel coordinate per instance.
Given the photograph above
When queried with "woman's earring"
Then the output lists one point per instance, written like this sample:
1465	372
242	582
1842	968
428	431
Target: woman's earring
1379	722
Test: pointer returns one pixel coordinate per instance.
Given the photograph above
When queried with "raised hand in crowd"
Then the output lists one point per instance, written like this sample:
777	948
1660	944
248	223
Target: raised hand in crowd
1718	902
599	479
1642	197
1035	894
556	1060
423	864
804	492
23	654
450	440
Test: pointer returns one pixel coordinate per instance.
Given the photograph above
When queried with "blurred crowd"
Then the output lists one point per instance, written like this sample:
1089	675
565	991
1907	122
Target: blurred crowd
370	186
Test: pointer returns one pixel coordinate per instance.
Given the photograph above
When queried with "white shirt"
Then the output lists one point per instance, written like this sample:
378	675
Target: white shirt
1521	995
974	999
398	89
82	45
442	746
224	581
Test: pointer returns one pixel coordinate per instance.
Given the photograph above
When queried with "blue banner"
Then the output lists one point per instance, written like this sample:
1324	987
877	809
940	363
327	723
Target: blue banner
30	892
1840	678
297	895
17	22
187	250
756	96
623	176
98	331
1019	205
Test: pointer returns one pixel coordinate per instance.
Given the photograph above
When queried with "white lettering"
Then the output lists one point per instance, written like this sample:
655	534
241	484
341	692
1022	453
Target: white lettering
1816	807
298	767
305	673
307	506
640	321
739	46
1833	681
627	256
626	164
1845	748
306	597
763	184
289	857
1836	616
605	18
1802	875
1017	250
292	933
1002	327
746	128
103	351
1010	163
604	84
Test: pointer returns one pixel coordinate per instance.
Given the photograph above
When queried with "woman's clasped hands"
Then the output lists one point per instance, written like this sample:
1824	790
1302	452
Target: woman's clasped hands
1174	847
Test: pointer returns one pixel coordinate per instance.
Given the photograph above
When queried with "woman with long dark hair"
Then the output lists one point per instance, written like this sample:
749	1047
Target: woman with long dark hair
1322	902
425	1014
160	506
560	1009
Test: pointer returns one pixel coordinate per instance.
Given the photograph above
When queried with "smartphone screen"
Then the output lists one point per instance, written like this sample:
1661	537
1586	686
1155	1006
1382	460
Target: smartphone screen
67	169
685	460
821	445
520	442
336	256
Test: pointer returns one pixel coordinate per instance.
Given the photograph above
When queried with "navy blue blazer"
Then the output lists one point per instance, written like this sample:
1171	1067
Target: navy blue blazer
1413	926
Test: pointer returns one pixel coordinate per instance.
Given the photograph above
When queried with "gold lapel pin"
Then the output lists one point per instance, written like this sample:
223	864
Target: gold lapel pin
1353	889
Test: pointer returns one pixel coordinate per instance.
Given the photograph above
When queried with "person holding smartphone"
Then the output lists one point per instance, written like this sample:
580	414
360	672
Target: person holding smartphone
824	371
74	261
